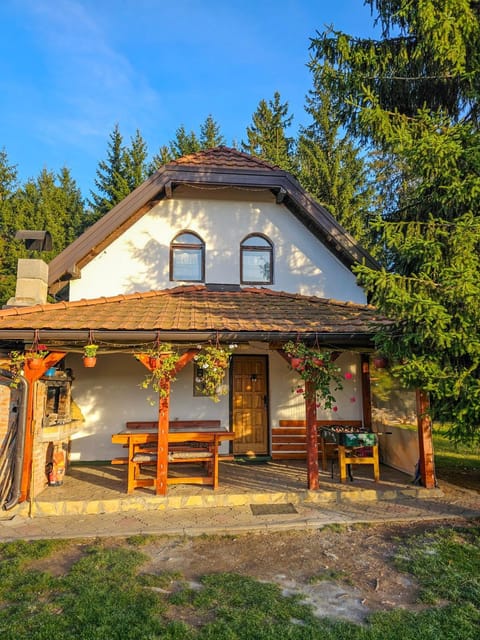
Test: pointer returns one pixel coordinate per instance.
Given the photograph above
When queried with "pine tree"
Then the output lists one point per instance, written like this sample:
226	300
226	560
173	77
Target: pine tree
415	97
210	135
164	156
112	177
8	187
49	203
136	161
427	58
333	171
267	137
184	143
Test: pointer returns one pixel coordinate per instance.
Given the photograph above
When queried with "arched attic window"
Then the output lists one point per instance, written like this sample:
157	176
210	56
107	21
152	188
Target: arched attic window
256	260
187	257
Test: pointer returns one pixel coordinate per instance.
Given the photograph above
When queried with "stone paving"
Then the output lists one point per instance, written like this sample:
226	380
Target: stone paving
81	509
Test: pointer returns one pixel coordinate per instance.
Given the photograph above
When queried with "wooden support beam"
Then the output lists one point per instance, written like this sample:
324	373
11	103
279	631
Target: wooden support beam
425	440
161	481
312	438
162	442
366	392
32	375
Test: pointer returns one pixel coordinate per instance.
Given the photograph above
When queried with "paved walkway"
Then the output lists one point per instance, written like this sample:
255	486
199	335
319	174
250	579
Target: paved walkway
191	521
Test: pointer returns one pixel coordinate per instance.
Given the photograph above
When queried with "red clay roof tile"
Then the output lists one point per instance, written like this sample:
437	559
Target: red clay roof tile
224	157
195	308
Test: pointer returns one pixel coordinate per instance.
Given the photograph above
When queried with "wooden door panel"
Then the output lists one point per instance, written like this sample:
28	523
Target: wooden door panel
249	405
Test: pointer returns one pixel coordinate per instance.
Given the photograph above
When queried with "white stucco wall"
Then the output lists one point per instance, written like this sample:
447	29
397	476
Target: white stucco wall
139	259
109	395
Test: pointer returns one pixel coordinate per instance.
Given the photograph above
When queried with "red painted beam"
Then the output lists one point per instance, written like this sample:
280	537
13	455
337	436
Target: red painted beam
425	440
312	439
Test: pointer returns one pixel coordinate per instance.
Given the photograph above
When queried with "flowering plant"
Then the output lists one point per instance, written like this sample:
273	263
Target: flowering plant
90	350
17	360
163	362
212	363
37	351
316	366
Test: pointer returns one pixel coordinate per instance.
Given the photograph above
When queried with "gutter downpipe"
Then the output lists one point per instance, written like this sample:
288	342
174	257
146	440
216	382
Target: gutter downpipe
20	446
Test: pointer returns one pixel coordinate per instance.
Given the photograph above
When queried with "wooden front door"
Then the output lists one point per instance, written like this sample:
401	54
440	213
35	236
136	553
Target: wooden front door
250	405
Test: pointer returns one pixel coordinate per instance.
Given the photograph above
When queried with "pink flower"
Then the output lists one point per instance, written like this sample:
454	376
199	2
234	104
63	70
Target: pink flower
348	376
335	408
353	399
299	390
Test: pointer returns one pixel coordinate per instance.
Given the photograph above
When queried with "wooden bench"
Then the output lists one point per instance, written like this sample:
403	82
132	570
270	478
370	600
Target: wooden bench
181	449
289	439
190	425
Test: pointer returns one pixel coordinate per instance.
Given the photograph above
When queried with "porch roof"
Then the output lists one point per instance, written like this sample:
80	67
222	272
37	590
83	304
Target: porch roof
200	311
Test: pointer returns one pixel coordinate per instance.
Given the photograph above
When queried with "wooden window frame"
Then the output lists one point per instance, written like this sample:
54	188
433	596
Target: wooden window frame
174	245
268	248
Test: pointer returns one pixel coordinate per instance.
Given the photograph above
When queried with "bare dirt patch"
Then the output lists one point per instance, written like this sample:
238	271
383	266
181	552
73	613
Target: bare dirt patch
344	572
341	571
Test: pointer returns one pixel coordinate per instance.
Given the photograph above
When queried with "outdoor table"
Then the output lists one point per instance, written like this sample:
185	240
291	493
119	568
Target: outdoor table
136	439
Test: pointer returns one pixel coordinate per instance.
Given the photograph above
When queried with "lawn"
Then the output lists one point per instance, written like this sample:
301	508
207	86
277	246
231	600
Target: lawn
456	463
102	593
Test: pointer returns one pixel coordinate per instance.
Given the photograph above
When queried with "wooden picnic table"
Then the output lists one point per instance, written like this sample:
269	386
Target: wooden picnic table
187	446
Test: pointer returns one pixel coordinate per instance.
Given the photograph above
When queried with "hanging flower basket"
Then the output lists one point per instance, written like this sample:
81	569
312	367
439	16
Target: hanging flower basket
162	360
90	355
316	366
35	356
213	362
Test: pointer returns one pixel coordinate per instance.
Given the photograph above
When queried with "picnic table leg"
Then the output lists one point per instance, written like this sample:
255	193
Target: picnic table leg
376	466
131	468
342	463
215	465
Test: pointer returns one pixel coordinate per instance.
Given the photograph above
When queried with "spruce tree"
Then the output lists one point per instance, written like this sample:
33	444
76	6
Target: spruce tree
136	161
414	96
210	134
266	136
112	177
184	143
333	170
8	187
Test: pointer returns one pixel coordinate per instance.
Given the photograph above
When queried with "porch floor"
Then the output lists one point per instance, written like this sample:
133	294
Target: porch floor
95	488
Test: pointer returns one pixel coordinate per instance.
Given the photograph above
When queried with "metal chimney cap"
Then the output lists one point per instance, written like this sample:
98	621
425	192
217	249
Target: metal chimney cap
35	240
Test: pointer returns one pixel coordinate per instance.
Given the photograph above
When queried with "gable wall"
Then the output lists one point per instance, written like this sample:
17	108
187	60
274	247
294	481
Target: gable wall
139	259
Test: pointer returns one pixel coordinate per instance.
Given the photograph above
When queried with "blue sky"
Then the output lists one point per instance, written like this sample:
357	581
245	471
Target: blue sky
71	69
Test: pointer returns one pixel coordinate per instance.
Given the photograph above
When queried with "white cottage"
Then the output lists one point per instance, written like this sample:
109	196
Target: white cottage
215	248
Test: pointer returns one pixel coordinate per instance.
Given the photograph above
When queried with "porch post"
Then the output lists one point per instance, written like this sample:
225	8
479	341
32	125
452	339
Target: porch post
425	441
32	375
162	445
312	437
366	392
163	422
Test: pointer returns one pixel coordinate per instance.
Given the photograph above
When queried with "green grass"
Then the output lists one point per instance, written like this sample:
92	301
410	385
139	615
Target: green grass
106	595
454	456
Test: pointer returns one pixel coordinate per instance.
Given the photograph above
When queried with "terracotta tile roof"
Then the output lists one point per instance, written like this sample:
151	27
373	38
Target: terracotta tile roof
224	157
197	308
